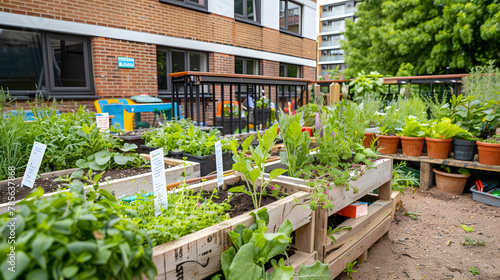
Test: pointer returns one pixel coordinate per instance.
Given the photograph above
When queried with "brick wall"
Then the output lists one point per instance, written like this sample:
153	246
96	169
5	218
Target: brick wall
154	17
111	81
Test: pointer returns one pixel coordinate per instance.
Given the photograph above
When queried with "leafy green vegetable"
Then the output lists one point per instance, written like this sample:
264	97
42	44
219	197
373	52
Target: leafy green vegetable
444	129
413	128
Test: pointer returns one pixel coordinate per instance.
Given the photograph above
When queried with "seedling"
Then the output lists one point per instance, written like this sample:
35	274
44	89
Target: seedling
412	215
474	271
349	269
475	242
331	231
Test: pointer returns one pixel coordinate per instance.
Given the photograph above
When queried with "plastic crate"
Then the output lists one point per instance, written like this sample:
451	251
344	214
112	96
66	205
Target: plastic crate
485	197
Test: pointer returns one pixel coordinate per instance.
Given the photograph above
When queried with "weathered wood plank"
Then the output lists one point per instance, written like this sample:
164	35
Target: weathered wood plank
426	175
448	161
298	259
396	198
350	255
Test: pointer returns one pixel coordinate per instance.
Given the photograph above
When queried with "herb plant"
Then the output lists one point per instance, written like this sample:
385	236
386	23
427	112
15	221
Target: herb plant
77	236
367	85
492	139
296	142
349	269
254	247
451	169
403	179
252	173
475	242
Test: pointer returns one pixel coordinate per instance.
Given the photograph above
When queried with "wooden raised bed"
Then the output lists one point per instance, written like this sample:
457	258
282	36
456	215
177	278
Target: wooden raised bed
197	255
131	185
366	230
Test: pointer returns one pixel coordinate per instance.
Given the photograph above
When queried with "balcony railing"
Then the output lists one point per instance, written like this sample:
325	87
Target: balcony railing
330	28
332	58
336	13
330	44
232	103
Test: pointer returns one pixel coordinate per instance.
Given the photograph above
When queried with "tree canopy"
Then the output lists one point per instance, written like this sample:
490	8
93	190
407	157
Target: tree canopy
418	37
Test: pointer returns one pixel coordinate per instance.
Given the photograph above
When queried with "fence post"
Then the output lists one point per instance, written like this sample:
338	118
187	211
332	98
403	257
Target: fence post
334	94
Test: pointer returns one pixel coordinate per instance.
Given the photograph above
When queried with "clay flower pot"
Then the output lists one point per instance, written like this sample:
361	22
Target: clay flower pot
489	153
438	148
388	144
412	146
368	139
450	182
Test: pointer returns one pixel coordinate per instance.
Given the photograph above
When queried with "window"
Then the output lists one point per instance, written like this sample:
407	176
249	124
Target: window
290	16
192	4
247	10
246	66
173	60
289	70
33	61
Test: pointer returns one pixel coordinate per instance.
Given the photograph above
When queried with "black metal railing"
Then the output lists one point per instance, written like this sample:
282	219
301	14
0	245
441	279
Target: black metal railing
236	103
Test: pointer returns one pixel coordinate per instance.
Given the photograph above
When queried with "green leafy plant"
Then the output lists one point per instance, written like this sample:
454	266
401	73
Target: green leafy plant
455	170
106	159
296	142
254	247
413	128
467	228
474	271
349	269
367	85
403	179
389	122
70	235
332	231
475	242
263	102
444	129
253	168
492	139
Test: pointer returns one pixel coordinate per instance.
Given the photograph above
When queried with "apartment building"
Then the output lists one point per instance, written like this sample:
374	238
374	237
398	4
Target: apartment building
332	15
89	49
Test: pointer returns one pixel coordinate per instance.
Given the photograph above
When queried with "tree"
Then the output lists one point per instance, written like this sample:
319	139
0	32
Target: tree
410	37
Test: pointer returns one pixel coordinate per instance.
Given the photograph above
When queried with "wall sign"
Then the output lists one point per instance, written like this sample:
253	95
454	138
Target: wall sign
126	62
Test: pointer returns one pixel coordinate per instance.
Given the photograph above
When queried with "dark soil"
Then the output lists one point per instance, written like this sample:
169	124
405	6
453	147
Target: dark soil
136	132
49	186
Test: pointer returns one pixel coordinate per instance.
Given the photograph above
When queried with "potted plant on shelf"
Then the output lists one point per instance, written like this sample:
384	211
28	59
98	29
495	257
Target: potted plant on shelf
388	140
489	150
440	136
230	110
264	111
451	179
369	109
412	137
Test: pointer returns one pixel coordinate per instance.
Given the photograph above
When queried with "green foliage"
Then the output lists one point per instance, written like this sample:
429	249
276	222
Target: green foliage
369	108
408	37
72	236
474	271
413	128
254	247
475	242
184	136
390	121
444	129
467	228
367	86
492	139
106	159
455	170
260	154
403	179
332	231
187	212
466	112
308	114
414	106
296	142
349	269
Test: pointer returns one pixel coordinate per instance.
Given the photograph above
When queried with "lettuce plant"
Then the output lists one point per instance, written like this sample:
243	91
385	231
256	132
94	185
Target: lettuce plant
254	247
413	128
444	129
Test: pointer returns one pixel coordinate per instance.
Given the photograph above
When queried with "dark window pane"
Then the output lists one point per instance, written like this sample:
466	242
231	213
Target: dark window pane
282	70
161	63
252	67
201	2
178	62
250	10
68	63
21	61
238	66
293	17
293	71
238	7
282	14
197	62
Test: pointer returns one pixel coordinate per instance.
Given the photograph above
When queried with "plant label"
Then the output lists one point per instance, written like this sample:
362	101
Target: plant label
102	120
218	160
33	166
159	180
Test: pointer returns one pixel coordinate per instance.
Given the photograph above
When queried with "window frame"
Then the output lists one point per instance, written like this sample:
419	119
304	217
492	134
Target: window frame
286	30
245	66
285	70
244	16
168	64
187	4
50	90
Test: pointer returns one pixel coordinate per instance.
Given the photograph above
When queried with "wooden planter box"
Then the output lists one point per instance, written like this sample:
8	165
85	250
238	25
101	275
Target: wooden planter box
366	230
131	185
197	255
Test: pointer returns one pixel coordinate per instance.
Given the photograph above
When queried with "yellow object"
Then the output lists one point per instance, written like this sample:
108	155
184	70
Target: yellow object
128	117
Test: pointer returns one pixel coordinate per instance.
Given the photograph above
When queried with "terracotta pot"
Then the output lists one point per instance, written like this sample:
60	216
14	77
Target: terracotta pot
450	182
412	146
489	153
388	144
438	148
368	139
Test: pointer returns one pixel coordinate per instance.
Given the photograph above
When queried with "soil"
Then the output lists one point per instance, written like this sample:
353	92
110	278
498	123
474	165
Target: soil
136	132
431	247
49	186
